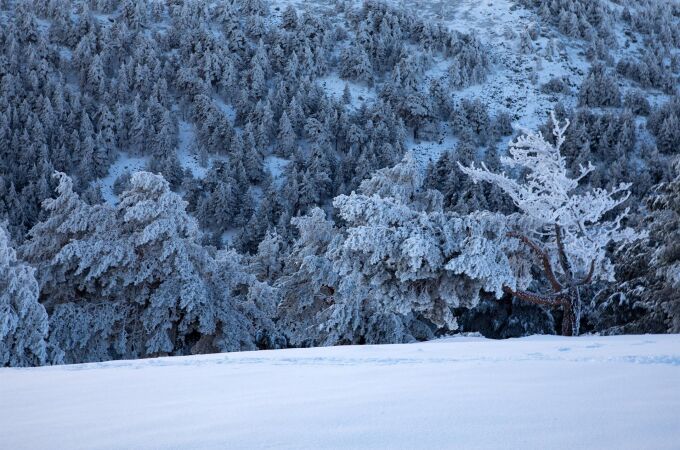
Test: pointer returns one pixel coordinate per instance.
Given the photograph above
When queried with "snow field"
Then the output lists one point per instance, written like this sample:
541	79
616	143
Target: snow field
537	392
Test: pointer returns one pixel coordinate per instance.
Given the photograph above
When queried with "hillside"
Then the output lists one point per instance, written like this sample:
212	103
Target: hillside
184	177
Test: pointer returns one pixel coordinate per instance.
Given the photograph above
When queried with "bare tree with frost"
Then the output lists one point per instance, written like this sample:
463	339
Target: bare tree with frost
564	226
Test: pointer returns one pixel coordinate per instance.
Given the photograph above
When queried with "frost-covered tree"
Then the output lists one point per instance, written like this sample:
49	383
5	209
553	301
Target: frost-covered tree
599	88
23	320
646	298
134	280
637	103
472	119
665	257
355	64
651	268
239	315
397	270
289	18
268	262
471	61
346	95
286	136
567	228
526	45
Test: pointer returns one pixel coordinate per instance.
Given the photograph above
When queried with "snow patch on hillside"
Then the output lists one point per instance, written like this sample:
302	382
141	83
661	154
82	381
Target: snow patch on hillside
124	164
335	87
276	165
186	153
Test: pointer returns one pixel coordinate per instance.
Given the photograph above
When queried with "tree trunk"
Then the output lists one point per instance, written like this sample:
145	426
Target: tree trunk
576	311
568	319
570	298
572	312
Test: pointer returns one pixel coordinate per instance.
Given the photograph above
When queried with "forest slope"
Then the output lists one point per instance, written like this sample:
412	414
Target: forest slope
184	177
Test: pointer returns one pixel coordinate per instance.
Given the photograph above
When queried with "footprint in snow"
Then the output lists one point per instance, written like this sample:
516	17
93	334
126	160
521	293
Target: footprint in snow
647	342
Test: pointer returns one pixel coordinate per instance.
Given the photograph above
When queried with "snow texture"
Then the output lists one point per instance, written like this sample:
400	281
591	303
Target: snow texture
536	392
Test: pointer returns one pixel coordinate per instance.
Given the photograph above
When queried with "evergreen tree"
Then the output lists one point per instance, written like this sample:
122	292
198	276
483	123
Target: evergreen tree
131	280
23	320
599	88
286	136
398	270
346	95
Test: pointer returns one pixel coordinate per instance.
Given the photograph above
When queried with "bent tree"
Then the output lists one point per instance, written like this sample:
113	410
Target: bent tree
562	223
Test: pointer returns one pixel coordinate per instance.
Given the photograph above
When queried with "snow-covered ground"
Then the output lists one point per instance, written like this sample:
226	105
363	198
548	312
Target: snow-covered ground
537	392
124	163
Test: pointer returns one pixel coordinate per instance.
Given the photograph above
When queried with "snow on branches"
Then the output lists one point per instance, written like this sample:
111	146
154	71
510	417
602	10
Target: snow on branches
23	320
552	200
556	210
398	267
133	280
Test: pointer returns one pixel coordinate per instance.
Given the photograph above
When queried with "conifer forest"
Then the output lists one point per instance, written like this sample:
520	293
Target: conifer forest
181	177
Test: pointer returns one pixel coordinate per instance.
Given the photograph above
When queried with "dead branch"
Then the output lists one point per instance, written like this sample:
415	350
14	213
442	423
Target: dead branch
562	254
534	298
588	278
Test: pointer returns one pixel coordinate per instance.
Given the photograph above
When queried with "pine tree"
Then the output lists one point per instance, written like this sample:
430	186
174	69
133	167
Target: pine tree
398	269
526	45
666	256
668	138
600	88
356	65
96	78
23	320
253	161
268	262
289	18
286	136
346	95
258	87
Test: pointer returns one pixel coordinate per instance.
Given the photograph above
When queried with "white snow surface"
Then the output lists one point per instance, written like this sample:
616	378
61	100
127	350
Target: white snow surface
538	392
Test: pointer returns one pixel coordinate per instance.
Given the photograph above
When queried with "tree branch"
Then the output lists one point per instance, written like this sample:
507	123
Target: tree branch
545	259
533	298
562	254
588	278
